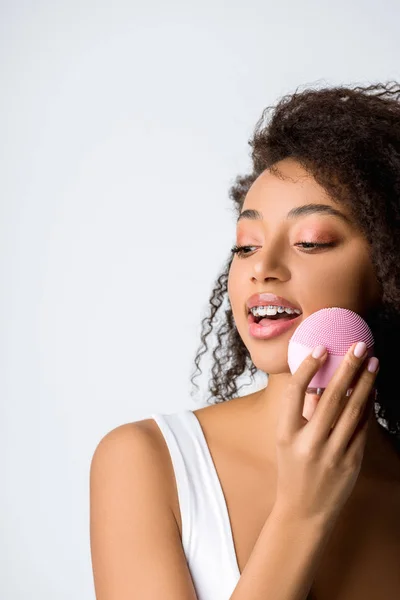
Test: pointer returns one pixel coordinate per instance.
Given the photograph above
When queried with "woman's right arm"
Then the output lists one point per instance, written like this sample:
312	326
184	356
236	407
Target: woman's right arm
135	543
318	464
285	558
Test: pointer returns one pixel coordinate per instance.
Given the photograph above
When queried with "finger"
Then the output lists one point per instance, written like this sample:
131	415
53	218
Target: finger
334	397
355	448
291	419
355	414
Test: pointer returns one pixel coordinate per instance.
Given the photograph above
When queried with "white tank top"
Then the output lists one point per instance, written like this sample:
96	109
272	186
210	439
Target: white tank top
206	530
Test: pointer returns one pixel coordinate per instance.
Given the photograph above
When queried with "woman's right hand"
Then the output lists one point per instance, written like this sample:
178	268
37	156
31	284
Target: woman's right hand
318	463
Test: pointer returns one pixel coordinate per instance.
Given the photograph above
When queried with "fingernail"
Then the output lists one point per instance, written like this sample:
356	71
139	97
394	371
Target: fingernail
319	351
373	364
360	349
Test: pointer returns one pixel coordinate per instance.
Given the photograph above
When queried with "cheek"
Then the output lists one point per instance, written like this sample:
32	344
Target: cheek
344	282
229	286
235	286
356	278
232	289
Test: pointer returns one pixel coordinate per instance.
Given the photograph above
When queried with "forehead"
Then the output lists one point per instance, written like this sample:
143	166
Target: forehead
284	185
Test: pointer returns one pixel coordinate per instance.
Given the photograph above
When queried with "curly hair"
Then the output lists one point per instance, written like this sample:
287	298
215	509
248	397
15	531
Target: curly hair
348	139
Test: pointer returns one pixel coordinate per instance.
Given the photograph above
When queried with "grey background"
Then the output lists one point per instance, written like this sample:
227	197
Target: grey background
122	126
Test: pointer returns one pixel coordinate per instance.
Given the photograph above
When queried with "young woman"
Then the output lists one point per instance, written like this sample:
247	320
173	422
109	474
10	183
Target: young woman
278	494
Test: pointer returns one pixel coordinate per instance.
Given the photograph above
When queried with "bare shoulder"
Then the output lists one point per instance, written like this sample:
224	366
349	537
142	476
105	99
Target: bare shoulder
142	442
132	451
135	544
127	442
137	436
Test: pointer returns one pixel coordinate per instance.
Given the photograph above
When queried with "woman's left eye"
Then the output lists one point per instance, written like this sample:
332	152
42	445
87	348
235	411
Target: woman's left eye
240	250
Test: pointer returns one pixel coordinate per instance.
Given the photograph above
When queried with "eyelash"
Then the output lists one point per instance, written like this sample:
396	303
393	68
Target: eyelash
239	249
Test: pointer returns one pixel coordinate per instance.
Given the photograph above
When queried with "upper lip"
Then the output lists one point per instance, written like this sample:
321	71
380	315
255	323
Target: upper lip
265	299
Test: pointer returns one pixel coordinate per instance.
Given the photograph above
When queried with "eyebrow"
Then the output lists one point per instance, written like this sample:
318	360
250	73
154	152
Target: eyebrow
298	211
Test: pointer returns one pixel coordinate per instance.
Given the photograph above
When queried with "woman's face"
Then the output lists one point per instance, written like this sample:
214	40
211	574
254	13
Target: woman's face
338	275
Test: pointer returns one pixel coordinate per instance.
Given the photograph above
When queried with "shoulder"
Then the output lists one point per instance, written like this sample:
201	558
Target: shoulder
135	543
137	449
136	440
126	440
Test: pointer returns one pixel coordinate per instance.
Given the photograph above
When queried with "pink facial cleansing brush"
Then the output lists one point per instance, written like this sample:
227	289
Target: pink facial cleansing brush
336	329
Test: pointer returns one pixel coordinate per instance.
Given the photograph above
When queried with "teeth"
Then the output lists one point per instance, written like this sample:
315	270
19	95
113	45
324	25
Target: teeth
270	311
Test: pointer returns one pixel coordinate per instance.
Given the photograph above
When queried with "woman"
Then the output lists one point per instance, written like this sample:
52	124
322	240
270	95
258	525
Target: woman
278	494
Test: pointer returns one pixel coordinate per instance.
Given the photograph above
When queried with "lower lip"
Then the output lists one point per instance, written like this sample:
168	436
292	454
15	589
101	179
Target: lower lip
272	329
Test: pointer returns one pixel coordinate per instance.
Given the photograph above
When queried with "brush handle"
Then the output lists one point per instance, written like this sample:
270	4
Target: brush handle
319	391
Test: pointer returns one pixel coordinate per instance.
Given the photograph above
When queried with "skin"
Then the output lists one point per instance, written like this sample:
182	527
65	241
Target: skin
309	278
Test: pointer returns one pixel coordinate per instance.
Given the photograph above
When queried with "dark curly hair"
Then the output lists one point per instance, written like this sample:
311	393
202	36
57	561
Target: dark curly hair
348	139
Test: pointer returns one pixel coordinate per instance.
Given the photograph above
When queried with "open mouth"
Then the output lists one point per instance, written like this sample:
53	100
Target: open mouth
277	317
